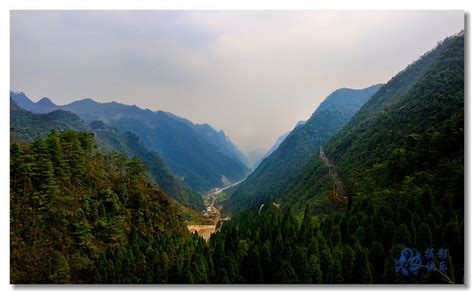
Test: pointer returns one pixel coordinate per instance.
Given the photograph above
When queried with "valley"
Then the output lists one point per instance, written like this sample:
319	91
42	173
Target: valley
213	219
115	194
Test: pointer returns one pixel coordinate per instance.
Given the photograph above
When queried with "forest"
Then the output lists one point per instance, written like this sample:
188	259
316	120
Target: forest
80	216
82	213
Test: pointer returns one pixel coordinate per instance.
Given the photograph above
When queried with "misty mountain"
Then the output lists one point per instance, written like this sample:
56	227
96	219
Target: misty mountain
221	141
281	139
46	103
423	102
401	160
276	172
201	156
274	146
25	126
43	106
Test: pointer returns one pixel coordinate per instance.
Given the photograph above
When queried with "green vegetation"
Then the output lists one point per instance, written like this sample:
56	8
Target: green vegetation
128	143
80	215
356	246
196	153
191	155
276	172
73	208
402	156
25	126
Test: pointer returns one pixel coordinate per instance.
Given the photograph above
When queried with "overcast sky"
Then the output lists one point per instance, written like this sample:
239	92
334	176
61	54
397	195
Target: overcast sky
252	74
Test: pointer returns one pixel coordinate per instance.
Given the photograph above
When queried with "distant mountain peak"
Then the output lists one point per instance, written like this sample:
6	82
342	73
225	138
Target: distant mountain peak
45	101
293	149
17	95
17	92
299	123
212	153
90	100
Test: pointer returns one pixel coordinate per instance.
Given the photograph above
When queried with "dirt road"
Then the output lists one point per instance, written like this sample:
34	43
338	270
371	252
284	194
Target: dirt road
340	188
212	213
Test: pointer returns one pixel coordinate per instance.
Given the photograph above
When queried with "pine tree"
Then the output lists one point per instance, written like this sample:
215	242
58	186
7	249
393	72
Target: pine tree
362	272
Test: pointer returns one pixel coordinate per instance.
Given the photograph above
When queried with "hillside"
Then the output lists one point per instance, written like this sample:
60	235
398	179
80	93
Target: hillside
74	211
201	156
81	212
276	172
25	126
130	144
43	106
419	99
278	142
401	159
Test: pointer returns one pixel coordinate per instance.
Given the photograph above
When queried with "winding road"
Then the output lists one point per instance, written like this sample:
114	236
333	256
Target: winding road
340	189
212	212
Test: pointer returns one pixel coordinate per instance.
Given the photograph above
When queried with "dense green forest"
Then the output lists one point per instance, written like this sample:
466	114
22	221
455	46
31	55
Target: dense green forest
276	172
402	156
25	126
72	206
197	153
80	214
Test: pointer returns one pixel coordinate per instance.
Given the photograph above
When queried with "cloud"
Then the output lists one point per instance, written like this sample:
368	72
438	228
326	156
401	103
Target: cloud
252	73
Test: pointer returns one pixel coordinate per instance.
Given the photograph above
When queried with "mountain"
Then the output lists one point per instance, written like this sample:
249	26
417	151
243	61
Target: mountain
25	126
79	216
255	156
400	165
130	144
201	156
281	139
274	146
276	172
417	99
46	103
382	201
221	141
43	106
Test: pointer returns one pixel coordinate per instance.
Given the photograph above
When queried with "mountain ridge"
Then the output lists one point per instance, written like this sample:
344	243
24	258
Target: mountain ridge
27	125
276	172
197	153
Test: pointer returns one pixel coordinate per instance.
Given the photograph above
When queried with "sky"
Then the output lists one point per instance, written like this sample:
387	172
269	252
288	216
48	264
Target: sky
254	74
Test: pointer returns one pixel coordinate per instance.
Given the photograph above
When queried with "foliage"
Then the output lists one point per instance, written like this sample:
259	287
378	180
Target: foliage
197	153
402	156
276	172
25	126
80	216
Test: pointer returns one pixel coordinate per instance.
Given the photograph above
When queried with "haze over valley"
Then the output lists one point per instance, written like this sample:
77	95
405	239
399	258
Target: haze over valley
253	74
237	147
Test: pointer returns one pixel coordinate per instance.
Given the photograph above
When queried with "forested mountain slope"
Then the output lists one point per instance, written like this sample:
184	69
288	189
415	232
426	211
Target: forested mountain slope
42	106
130	144
401	159
280	140
201	164
80	216
423	98
25	126
276	172
203	157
